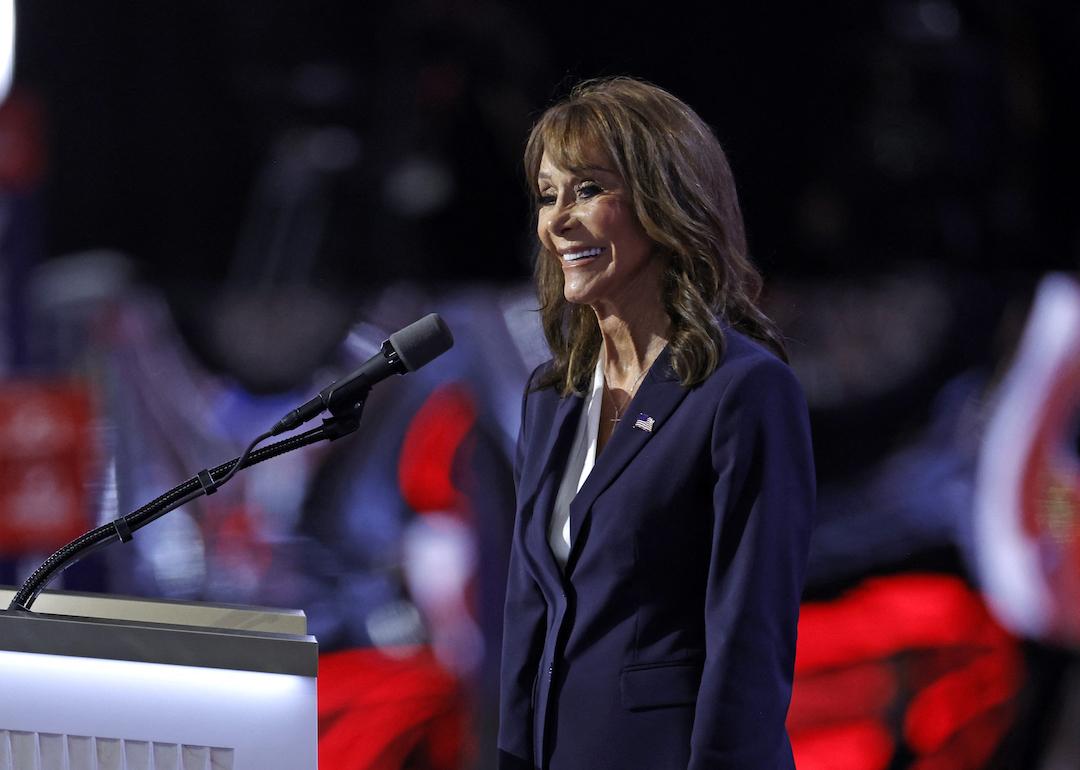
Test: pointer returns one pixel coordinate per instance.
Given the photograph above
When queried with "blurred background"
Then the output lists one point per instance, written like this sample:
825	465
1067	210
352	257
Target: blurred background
208	211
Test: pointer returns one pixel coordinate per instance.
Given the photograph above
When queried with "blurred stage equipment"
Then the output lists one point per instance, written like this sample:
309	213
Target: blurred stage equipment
7	46
1027	497
907	670
405	351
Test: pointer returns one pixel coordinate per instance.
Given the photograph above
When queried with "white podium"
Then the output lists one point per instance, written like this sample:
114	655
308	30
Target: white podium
92	682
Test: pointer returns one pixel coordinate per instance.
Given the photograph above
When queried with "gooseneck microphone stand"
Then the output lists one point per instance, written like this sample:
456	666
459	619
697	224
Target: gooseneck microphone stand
345	420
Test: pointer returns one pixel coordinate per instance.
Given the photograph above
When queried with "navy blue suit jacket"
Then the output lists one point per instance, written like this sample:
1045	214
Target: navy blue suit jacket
669	640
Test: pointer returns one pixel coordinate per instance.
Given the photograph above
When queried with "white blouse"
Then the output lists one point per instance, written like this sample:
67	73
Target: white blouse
578	466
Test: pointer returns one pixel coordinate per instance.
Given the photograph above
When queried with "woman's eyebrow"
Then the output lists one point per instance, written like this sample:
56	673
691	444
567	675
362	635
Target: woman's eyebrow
588	170
578	171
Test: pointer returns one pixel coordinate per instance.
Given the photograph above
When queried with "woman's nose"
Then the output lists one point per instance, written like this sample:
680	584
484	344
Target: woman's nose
561	217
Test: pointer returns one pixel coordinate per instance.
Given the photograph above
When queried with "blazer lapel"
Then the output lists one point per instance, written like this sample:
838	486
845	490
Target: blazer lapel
542	484
659	395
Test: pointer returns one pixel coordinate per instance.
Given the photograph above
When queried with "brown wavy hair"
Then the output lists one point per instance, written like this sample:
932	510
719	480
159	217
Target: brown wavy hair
683	195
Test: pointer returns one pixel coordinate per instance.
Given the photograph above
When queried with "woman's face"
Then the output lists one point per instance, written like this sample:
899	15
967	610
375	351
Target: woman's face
587	222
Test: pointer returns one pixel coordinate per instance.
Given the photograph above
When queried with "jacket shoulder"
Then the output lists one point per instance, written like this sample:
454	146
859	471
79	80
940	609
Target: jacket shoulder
747	364
533	394
537	373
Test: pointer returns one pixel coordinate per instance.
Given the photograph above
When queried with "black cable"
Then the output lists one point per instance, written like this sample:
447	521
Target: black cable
238	464
122	528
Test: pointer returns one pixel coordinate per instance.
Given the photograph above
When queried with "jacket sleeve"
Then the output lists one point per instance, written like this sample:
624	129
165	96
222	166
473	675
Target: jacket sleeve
523	629
763	502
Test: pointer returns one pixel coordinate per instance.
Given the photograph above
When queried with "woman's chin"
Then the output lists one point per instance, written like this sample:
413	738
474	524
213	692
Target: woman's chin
576	299
577	294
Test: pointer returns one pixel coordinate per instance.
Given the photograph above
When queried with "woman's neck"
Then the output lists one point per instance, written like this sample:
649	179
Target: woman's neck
632	344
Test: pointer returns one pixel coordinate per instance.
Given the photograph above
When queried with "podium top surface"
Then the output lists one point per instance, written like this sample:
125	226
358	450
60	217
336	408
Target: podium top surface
114	607
177	633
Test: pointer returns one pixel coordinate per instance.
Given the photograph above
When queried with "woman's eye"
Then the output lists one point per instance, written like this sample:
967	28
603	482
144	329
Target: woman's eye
546	199
588	189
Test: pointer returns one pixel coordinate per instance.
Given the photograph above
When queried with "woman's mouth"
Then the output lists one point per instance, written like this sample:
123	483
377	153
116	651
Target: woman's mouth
575	256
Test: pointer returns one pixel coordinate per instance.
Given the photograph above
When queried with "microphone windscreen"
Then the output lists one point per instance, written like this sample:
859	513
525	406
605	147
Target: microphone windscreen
421	341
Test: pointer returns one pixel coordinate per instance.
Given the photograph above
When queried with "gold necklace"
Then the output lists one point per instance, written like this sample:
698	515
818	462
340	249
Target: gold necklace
633	390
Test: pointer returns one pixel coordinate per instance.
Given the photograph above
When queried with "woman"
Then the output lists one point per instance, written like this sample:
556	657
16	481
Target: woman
664	473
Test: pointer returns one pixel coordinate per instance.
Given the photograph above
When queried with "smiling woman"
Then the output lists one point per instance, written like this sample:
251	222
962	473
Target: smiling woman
657	562
586	218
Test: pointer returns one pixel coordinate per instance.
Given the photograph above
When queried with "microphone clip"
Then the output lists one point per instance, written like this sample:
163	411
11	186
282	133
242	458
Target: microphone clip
345	420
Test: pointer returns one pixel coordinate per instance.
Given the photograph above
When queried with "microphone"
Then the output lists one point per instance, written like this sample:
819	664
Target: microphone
406	351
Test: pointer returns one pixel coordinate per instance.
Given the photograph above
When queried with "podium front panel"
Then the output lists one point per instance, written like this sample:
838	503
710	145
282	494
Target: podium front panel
102	694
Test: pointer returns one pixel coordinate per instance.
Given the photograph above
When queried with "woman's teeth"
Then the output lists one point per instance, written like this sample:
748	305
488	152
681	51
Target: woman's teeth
576	255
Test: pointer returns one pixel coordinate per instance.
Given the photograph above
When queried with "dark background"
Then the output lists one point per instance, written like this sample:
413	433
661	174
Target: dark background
862	134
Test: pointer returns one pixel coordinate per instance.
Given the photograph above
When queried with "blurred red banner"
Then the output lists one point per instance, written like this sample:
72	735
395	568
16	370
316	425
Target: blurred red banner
22	144
45	462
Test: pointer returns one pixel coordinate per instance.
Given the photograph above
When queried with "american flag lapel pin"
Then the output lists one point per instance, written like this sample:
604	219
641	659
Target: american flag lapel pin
644	422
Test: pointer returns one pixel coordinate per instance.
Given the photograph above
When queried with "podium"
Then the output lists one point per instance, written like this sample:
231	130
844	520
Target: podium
91	682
